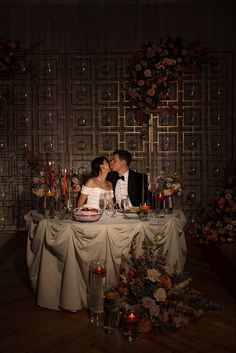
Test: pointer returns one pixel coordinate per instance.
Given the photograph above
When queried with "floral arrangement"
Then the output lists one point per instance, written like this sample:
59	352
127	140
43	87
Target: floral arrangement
155	65
39	185
46	178
162	298
216	223
168	185
11	57
74	183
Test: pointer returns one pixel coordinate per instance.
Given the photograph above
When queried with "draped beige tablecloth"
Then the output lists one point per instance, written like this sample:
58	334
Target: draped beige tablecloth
59	252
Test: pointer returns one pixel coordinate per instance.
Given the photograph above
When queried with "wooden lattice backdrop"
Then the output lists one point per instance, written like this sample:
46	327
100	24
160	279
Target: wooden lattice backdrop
74	107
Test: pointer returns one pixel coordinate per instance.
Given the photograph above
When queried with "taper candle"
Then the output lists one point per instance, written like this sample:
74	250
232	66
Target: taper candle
64	183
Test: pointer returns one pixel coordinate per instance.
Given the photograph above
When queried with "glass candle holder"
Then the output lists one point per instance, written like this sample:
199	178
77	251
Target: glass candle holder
96	290
144	207
160	201
131	327
144	212
111	311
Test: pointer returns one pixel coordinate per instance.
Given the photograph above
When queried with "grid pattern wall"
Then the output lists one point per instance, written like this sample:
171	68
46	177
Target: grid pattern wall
71	107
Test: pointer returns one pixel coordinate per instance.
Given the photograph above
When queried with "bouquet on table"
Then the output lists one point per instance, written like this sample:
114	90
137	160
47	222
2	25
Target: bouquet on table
39	185
46	178
74	184
160	296
168	185
165	188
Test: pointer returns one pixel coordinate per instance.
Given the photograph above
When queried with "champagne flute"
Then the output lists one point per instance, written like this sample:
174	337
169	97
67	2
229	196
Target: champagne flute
124	203
102	202
108	199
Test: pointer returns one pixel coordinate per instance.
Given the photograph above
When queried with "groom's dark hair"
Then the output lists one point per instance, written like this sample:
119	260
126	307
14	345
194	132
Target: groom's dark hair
124	155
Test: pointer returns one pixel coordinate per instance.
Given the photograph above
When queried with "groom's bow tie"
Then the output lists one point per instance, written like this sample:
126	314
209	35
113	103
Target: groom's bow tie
121	177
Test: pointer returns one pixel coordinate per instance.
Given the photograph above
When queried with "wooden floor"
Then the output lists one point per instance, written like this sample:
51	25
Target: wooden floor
27	328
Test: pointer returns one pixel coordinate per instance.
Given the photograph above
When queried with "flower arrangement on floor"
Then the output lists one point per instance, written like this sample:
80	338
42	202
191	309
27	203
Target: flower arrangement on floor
216	223
155	65
162	298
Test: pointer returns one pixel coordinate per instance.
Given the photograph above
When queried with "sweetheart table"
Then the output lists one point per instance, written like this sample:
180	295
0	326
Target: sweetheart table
59	252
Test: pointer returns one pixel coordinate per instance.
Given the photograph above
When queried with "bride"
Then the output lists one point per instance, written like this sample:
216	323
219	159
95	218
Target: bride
96	188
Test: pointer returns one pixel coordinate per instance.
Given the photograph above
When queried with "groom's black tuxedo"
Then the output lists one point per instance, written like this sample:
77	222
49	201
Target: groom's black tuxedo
136	183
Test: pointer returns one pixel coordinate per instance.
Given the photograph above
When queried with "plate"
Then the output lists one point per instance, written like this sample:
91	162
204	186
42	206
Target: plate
131	210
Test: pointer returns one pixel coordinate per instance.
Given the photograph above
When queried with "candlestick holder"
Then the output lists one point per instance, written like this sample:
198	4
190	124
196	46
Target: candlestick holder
97	277
49	205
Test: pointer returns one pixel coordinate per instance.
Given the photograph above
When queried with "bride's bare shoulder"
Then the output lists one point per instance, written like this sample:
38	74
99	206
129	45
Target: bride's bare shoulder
91	182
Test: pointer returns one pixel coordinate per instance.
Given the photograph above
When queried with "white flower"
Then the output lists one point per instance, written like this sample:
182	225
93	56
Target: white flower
160	295
153	274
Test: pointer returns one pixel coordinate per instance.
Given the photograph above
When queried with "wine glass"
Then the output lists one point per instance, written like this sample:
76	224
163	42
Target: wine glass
124	203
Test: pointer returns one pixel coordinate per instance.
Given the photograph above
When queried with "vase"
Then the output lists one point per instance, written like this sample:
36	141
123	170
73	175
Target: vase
111	311
97	276
169	203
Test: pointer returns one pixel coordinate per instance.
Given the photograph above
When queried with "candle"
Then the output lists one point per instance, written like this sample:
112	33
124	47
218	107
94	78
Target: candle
49	194
161	200
69	185
50	174
131	318
131	327
144	207
161	197
100	271
64	183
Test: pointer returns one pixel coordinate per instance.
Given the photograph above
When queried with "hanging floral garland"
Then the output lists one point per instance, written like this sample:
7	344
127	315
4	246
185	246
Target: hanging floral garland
13	59
153	68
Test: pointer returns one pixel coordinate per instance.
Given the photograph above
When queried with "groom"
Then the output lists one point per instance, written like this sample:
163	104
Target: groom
126	181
